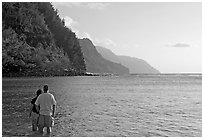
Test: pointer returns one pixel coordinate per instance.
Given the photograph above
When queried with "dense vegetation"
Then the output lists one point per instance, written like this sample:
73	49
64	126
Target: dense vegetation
35	41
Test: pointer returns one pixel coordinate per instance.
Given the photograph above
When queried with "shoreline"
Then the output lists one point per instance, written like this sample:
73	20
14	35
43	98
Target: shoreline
95	74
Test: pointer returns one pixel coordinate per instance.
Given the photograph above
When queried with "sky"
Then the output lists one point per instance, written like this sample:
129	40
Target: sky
167	35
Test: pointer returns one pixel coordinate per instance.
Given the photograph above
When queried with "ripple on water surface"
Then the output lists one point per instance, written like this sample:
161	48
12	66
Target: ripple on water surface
133	106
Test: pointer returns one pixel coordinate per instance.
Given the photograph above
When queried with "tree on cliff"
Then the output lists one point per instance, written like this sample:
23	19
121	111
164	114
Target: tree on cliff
64	37
32	41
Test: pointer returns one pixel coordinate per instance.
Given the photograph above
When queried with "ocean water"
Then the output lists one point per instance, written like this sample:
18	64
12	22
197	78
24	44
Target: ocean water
123	106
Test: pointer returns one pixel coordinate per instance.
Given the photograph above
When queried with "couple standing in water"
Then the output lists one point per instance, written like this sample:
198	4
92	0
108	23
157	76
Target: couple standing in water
43	110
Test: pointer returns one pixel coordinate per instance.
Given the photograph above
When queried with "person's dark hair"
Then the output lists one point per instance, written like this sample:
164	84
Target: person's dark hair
38	92
45	88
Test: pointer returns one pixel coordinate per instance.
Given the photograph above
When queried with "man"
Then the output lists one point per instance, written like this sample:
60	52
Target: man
45	104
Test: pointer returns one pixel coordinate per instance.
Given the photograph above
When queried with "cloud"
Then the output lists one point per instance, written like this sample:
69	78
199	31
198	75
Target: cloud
69	22
178	45
106	42
98	5
67	4
75	27
84	35
72	24
89	5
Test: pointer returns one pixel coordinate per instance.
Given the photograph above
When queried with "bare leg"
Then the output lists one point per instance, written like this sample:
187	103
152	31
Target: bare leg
41	124
49	131
41	129
34	125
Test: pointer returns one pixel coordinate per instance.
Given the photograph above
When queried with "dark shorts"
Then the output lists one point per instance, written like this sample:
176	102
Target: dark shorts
45	121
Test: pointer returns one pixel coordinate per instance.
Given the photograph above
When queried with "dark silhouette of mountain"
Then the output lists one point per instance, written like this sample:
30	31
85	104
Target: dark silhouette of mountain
95	63
135	65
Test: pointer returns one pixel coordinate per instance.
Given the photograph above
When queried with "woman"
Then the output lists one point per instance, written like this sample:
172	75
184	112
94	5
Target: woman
34	114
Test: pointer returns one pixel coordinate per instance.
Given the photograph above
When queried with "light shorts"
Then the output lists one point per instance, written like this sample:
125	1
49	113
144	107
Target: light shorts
46	121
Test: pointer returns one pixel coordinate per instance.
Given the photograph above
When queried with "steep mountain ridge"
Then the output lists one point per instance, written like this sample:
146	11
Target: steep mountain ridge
108	54
95	63
135	65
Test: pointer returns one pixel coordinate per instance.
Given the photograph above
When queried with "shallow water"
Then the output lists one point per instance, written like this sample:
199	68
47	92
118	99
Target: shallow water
133	106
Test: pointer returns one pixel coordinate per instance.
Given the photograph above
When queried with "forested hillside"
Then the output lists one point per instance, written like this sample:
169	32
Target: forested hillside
35	41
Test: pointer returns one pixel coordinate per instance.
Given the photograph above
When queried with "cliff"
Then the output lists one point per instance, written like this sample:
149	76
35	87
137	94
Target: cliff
95	63
135	65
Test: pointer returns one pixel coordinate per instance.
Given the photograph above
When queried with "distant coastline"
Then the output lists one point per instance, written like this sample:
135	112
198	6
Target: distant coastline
13	75
166	74
16	75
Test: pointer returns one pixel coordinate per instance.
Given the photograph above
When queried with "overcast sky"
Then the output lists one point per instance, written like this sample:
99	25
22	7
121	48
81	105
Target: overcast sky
166	35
